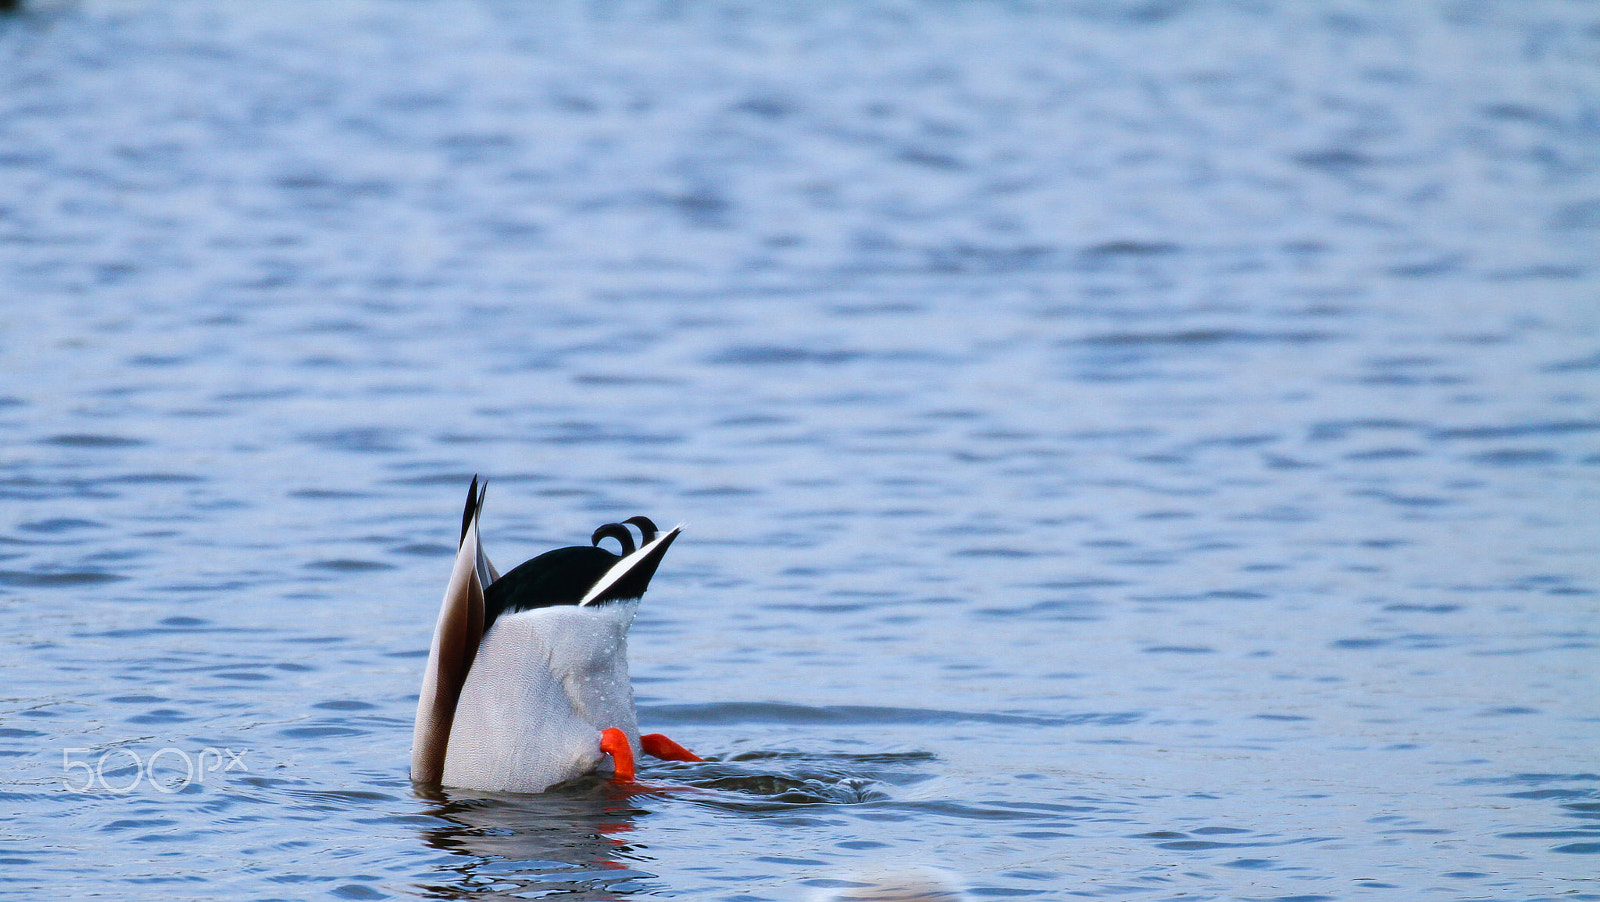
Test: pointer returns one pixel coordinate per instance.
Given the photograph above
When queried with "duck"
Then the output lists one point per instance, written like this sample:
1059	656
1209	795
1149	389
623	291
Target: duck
527	684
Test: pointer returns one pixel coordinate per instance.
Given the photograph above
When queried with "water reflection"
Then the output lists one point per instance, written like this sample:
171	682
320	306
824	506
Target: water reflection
573	840
578	839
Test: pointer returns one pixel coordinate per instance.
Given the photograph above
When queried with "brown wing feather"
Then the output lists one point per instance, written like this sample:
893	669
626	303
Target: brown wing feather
455	643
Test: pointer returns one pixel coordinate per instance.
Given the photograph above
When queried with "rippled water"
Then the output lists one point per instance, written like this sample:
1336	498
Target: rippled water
1131	450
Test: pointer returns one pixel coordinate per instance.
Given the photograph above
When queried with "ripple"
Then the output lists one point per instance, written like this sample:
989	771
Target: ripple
769	355
1200	338
362	440
349	565
88	440
58	524
57	580
1518	430
1578	215
779	712
322	731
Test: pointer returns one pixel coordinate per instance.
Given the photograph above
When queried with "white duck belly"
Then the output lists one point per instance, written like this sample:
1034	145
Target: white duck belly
543	685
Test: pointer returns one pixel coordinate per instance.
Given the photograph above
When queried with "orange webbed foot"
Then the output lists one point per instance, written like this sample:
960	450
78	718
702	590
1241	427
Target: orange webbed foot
658	746
614	742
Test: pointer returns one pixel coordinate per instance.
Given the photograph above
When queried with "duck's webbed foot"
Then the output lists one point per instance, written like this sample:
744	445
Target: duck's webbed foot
614	742
658	746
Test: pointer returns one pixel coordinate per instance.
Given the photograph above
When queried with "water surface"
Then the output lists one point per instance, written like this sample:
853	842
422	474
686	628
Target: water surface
1130	450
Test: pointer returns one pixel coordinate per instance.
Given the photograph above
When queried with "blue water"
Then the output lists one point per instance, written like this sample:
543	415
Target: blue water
1141	450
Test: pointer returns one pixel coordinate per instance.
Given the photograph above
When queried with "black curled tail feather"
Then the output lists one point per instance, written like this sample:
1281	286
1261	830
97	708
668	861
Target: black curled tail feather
614	531
647	528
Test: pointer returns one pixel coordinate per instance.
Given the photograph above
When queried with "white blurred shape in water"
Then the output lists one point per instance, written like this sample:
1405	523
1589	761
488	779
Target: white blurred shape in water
918	884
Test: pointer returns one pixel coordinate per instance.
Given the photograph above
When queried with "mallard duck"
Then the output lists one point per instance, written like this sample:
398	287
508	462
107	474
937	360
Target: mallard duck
527	680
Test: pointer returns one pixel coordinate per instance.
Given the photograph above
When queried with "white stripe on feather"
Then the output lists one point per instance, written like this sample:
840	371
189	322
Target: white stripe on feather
621	568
